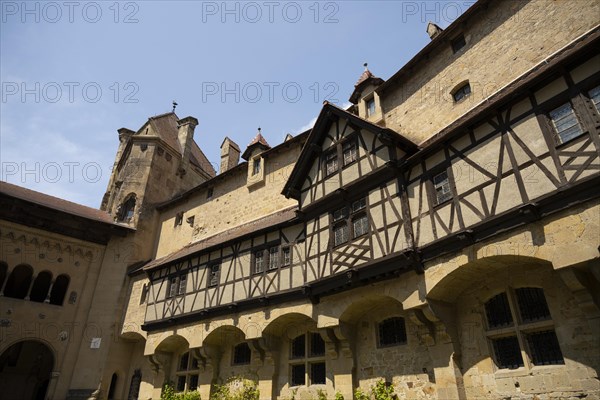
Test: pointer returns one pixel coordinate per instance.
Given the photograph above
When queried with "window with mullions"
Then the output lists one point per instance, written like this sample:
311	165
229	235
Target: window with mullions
177	285
331	163
213	275
307	360
187	373
565	123
520	329
391	332
242	354
270	259
594	95
441	188
349	151
350	222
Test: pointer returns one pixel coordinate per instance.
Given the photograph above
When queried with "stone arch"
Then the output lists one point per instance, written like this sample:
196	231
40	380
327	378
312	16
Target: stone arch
3	273
222	335
19	281
41	286
373	303
59	289
288	325
26	369
172	343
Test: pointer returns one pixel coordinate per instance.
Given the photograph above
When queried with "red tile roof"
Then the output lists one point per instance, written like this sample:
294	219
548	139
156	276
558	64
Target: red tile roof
55	203
218	239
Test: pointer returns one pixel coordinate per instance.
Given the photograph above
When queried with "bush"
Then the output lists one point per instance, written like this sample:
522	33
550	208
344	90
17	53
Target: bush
168	393
247	391
381	391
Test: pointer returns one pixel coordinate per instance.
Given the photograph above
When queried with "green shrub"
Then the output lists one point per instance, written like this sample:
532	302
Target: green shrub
168	393
339	396
381	391
248	391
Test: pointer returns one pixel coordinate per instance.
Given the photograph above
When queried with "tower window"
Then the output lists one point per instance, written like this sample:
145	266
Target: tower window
458	43
461	92
370	105
519	323
125	213
256	166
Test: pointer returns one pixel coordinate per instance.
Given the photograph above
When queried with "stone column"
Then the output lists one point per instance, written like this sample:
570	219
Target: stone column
339	350
266	357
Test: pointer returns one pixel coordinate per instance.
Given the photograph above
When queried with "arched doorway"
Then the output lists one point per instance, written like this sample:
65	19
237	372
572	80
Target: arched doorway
25	371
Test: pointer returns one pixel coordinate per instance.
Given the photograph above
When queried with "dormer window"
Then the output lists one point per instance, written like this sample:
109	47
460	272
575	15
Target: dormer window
256	166
458	43
370	105
461	92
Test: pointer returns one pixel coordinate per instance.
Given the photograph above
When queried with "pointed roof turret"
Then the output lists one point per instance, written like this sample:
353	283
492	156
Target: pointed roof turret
258	141
365	78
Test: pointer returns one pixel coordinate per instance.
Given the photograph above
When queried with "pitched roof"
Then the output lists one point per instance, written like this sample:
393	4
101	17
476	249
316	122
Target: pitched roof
258	140
365	78
166	127
55	203
328	113
250	228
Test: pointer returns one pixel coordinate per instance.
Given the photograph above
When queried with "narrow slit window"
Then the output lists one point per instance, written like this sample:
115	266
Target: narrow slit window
370	105
286	256
213	279
259	261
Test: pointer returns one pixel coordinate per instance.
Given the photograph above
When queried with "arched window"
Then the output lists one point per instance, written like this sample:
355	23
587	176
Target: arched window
242	354
307	360
521	330
125	212
59	289
461	91
18	282
3	272
40	287
134	386
113	387
391	332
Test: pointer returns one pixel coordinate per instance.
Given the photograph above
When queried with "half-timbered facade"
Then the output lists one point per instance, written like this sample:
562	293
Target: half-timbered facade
449	246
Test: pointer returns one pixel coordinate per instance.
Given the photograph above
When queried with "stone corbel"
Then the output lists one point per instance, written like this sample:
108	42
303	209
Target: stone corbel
159	361
338	341
579	283
212	355
266	349
437	325
202	361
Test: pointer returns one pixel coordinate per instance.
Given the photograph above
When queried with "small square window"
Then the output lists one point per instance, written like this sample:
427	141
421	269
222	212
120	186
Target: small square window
462	92
331	164
340	234
178	218
370	105
181	383
458	43
317	345
256	166
242	354
565	123
209	193
213	278
349	151
317	373
182	284
286	256
299	347
545	349
360	226
595	97
441	186
507	352
193	382
298	373
259	261
273	258
392	332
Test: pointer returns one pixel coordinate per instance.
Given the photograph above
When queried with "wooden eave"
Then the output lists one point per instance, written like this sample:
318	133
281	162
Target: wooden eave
312	147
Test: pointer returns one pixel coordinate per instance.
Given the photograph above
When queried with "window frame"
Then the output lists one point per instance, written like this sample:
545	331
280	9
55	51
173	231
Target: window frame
336	151
346	221
368	102
233	355
378	333
176	285
307	361
266	250
191	369
520	330
433	187
256	166
461	88
211	274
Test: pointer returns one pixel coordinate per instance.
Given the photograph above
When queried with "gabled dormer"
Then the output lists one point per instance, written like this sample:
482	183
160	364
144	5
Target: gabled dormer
256	163
365	98
344	153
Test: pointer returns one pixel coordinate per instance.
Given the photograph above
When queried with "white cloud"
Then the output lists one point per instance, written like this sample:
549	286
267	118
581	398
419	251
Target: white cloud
307	126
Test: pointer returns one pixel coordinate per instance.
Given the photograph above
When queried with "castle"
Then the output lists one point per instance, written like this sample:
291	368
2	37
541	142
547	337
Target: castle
442	235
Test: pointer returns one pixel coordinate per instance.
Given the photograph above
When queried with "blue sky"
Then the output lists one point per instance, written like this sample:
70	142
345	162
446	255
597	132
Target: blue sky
73	73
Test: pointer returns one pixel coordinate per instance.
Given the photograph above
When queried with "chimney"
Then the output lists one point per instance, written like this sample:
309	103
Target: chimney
433	30
230	154
185	136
